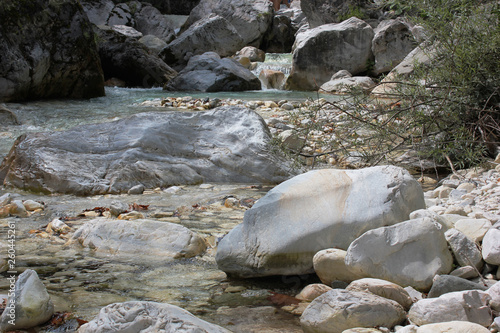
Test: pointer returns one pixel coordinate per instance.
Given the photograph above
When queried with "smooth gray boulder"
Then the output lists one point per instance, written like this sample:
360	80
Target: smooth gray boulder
156	149
471	305
392	42
212	34
150	21
323	51
338	310
127	59
444	284
250	18
147	317
317	210
344	85
30	306
140	238
410	253
47	57
208	72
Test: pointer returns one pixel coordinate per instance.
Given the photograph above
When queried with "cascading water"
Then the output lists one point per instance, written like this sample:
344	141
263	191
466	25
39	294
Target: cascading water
275	62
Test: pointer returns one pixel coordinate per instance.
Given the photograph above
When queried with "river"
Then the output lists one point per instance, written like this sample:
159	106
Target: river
82	282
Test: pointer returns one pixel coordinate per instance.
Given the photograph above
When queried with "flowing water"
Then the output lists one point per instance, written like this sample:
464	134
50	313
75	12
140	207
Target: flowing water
81	281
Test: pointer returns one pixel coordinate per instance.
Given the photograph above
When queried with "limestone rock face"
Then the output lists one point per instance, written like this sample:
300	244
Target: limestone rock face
471	305
53	55
208	72
320	209
32	304
410	253
392	42
323	51
211	34
140	237
250	18
338	310
156	149
127	59
147	317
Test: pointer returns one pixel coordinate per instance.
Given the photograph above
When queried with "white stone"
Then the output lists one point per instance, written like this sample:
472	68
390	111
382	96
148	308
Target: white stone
330	266
339	310
311	291
491	246
410	253
384	289
470	305
140	238
452	327
58	226
494	292
32	304
31	205
147	317
475	229
317	210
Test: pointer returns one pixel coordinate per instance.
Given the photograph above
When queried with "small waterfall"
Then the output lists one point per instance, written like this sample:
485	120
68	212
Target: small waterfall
279	62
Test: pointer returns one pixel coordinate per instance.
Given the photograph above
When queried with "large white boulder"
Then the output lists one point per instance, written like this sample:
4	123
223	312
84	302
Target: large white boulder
140	238
470	305
317	210
491	245
323	51
147	317
339	310
410	253
29	306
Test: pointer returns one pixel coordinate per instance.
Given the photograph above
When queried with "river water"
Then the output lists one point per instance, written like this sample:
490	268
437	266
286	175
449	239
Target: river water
82	282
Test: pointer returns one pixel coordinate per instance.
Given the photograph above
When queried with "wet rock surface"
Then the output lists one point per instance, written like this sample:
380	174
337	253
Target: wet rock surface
153	149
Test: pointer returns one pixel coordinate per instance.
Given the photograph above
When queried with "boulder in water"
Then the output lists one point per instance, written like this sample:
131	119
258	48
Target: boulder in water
157	149
208	72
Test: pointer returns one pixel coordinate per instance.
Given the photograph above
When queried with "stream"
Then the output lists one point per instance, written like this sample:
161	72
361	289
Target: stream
82	282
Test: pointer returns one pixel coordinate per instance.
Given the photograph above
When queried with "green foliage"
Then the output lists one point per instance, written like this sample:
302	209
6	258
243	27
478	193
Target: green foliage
353	11
447	111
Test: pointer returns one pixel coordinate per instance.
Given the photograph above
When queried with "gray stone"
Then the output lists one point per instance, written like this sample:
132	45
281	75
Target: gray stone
156	149
321	52
208	72
466	272
5	199
137	189
31	205
150	21
311	291
120	15
320	209
471	305
280	37
117	207
491	245
475	229
384	289
127	31
153	43
29	306
444	284
392	42
47	58
494	292
433	216
464	249
138	316
410	253
338	310
127	59
212	34
140	238
98	11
